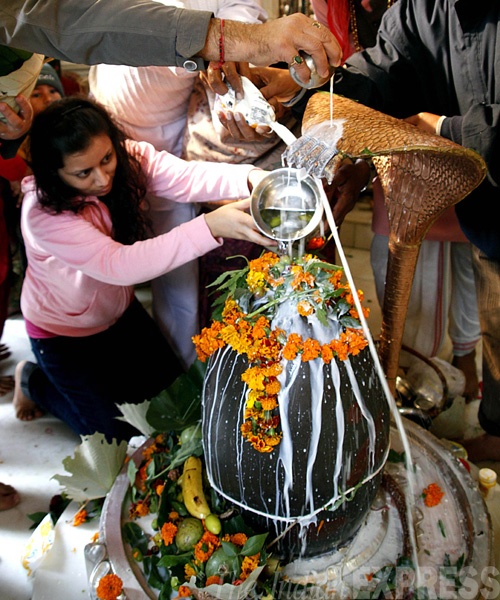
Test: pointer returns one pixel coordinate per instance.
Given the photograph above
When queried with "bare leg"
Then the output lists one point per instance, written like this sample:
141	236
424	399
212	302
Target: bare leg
467	364
26	409
8	497
485	447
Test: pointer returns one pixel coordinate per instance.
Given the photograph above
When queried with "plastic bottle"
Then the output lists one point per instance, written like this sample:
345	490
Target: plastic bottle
490	490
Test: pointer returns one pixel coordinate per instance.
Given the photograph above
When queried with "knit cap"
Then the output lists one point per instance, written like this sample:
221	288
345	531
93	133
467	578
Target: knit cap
48	76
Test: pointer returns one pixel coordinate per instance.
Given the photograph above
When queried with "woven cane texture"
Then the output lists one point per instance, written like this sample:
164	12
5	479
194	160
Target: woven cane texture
421	174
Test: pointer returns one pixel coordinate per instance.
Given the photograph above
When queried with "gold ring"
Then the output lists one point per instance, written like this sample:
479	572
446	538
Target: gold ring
316	24
296	60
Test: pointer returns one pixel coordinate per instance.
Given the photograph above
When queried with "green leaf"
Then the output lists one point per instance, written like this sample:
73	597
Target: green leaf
135	536
12	59
254	544
93	469
179	405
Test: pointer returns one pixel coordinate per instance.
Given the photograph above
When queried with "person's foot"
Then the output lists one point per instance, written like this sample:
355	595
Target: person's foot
467	364
485	447
4	352
26	409
8	497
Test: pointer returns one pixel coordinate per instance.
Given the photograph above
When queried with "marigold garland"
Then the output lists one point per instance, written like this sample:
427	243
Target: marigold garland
317	289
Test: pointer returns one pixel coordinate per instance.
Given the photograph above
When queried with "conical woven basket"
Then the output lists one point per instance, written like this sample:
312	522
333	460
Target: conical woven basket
21	81
421	174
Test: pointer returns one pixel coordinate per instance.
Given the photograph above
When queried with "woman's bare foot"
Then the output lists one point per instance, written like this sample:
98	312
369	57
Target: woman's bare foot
8	497
485	447
467	364
26	409
6	384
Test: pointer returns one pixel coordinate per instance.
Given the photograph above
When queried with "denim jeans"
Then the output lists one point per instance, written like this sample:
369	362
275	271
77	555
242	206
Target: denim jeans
81	379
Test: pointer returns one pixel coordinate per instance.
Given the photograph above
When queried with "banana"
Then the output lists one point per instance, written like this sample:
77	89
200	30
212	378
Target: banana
192	488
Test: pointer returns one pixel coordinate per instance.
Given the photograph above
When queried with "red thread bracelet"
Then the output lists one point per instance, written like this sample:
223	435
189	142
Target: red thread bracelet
221	46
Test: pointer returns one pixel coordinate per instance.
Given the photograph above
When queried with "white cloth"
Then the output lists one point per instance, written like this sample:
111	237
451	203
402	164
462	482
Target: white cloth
443	296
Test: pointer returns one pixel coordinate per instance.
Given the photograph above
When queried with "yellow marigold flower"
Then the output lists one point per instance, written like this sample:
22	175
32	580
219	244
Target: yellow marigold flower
80	517
269	403
255	280
249	564
259	444
254	378
239	539
110	587
312	349
189	571
273	440
168	532
305	308
142	508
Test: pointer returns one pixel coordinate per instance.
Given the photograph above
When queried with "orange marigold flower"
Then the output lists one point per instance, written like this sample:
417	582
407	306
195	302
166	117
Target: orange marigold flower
273	440
273	387
269	403
168	532
305	308
139	509
183	592
80	517
159	488
433	494
326	353
214	579
312	349
206	547
95	538
173	515
110	587
239	539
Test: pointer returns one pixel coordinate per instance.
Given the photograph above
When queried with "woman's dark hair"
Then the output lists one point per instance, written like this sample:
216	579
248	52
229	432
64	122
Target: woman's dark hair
67	126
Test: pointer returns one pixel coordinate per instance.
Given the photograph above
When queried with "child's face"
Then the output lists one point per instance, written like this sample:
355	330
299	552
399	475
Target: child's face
91	171
42	96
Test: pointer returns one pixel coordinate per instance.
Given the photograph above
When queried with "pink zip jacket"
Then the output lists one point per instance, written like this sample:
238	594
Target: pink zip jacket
79	281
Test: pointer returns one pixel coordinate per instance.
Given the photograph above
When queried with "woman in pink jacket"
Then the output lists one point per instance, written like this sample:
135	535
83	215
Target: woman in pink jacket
87	243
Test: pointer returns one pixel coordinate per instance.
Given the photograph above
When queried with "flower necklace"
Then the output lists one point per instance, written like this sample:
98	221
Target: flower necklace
354	23
312	288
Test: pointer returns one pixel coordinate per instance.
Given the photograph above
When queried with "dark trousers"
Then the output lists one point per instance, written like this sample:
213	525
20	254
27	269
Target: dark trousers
81	379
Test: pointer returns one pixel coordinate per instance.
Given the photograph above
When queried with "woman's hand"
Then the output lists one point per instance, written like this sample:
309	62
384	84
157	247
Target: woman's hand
233	221
17	124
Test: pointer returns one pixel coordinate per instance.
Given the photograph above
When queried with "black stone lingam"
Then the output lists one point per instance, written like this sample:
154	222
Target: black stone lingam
313	491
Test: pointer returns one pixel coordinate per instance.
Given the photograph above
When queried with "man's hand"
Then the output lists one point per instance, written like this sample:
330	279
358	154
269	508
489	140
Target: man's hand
17	123
425	121
276	40
346	186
